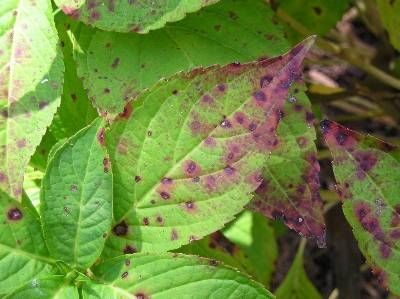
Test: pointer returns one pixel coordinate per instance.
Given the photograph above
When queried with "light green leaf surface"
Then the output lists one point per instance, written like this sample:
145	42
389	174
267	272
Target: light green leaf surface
23	254
389	11
116	67
190	151
130	15
55	287
296	284
170	276
31	74
77	198
367	173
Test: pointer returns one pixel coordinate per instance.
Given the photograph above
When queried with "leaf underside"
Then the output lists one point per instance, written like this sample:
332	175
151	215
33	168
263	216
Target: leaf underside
367	172
179	176
31	72
130	15
170	275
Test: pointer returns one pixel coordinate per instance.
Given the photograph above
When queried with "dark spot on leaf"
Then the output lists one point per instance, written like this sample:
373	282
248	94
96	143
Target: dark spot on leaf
225	123
141	295
14	214
166	181
43	104
164	195
174	235
146	221
115	63
264	81
229	170
74	188
385	251
174	92
260	96
128	249
149	133
121	229
107	90
310	117
233	15
138	178
73	97
106	165
191	168
196	179
100	136
21	143
213	263
221	87
159	220
317	10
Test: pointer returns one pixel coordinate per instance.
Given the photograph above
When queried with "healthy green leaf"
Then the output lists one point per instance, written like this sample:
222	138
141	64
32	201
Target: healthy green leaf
390	14
170	276
31	72
291	177
116	67
367	173
23	254
55	287
296	284
131	15
77	198
255	236
190	152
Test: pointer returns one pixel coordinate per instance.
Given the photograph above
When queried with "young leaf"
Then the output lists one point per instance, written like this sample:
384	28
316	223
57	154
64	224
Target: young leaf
116	67
77	198
296	284
390	14
30	84
190	152
23	254
289	190
170	276
55	287
367	172
130	15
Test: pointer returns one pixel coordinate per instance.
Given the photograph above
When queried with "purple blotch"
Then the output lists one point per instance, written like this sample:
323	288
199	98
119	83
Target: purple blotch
165	195
260	96
128	249
14	214
146	221
121	229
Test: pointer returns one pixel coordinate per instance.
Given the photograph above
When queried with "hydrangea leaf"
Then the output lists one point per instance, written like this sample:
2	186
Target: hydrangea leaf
289	190
23	253
116	67
312	16
247	244
188	154
389	12
367	173
75	111
296	284
76	198
170	276
55	287
131	15
30	84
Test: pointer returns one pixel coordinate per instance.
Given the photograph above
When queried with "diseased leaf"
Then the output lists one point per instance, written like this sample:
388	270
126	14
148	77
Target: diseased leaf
296	284
389	12
367	173
289	190
75	111
170	276
55	287
189	153
313	16
130	15
31	72
116	67
77	198
23	254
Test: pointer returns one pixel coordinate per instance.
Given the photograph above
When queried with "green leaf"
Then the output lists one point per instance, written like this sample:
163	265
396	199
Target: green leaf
130	15
75	111
310	16
76	198
55	287
170	275
116	67
255	236
367	173
189	153
23	254
291	177
30	84
296	284
390	14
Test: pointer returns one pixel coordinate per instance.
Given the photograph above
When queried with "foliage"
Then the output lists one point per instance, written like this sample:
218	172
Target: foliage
146	146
